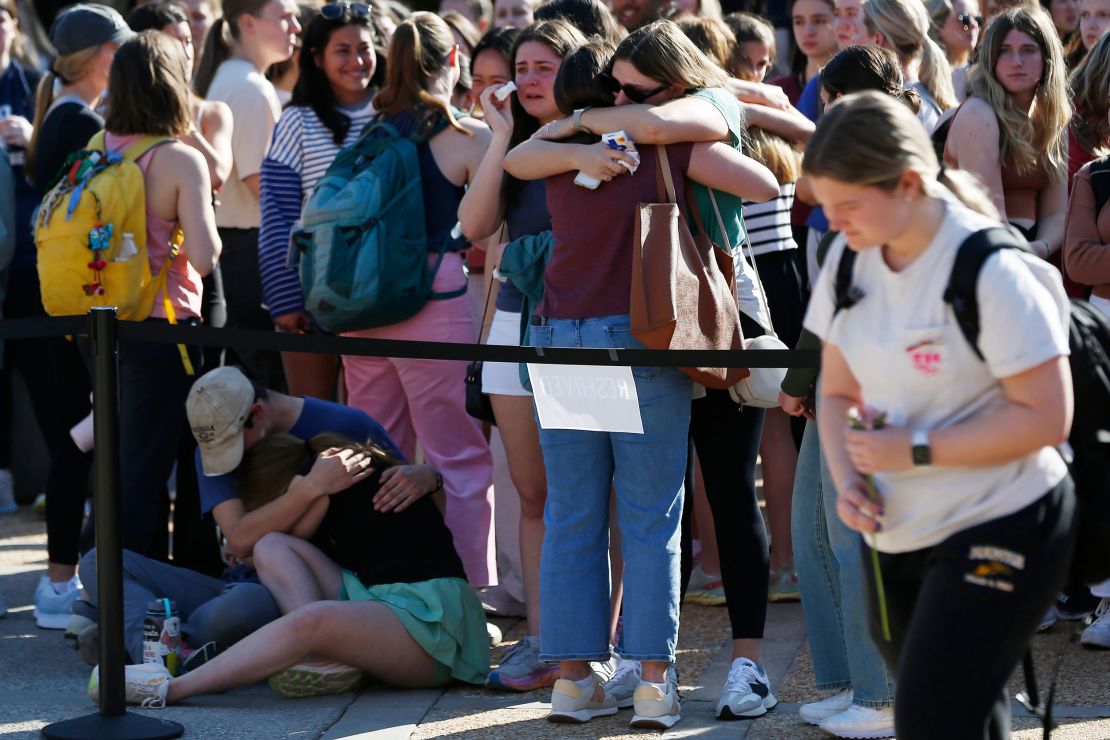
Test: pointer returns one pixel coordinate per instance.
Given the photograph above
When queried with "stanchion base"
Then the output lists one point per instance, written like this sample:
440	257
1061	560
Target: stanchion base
125	726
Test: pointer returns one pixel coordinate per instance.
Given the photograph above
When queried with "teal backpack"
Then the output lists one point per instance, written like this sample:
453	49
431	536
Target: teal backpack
361	246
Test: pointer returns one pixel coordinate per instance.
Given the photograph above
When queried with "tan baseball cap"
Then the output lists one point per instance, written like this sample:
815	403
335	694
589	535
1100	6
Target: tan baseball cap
218	406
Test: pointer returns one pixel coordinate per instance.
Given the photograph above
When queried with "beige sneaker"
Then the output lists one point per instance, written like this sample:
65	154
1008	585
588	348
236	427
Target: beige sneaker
316	679
655	709
145	684
571	703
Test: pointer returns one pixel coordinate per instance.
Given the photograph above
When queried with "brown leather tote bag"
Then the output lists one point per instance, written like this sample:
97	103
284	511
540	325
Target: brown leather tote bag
683	294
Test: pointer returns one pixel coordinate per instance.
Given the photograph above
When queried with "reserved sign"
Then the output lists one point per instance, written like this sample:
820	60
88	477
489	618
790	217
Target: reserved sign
586	397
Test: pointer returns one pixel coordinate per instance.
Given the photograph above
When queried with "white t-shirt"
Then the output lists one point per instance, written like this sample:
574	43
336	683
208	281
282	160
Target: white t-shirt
911	360
256	109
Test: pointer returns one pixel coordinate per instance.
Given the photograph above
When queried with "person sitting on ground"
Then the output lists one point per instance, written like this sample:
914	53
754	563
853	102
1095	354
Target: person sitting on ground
402	614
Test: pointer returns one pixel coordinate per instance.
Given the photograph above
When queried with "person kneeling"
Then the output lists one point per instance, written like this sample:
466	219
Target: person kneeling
425	625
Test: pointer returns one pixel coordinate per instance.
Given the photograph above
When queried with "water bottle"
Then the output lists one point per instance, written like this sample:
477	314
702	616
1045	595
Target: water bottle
127	248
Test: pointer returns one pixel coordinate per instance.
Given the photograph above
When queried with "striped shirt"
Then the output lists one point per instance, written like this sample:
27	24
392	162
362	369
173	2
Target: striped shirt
300	153
769	223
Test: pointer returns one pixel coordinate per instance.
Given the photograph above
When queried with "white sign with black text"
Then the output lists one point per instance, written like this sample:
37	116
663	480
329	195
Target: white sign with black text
586	397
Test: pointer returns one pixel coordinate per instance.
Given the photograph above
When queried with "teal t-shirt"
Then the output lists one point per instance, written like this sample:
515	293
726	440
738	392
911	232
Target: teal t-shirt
730	205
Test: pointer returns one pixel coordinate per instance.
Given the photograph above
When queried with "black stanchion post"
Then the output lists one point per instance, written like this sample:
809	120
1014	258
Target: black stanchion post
113	721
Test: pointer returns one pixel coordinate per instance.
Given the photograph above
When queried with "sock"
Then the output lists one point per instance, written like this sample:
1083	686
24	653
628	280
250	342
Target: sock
60	587
664	687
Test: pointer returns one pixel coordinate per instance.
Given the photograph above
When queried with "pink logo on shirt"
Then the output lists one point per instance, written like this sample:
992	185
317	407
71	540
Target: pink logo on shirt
926	358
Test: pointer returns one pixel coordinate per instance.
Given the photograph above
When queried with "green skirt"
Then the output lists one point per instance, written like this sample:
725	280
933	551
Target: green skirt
443	615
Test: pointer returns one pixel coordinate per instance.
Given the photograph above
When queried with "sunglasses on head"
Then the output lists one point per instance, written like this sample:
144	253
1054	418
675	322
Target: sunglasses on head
635	94
335	11
965	19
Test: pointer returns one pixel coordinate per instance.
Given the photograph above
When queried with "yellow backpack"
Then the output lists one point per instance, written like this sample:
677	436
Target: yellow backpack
80	230
84	259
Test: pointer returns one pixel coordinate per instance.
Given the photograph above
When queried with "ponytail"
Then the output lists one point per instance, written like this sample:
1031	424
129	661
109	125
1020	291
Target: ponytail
44	98
968	190
418	52
911	98
65	71
217	50
936	75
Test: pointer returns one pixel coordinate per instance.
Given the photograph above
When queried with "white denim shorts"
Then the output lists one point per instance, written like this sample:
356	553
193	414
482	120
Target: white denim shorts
503	378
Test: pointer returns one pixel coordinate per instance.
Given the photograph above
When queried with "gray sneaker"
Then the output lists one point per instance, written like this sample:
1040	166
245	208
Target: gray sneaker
624	681
522	670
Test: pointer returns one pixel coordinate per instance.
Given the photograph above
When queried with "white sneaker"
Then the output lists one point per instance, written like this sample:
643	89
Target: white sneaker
747	692
144	684
818	711
52	610
861	722
654	709
571	703
1097	633
624	681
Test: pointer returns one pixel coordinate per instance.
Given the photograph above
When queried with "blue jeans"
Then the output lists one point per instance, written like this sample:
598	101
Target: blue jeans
831	579
647	471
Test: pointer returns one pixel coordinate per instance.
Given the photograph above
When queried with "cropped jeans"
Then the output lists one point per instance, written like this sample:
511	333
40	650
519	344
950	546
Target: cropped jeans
647	471
831	579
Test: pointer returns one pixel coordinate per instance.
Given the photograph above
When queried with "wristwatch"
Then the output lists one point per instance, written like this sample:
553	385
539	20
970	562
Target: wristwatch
922	452
576	120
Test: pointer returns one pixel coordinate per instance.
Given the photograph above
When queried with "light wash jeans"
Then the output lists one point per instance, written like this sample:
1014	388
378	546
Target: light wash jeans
647	471
831	581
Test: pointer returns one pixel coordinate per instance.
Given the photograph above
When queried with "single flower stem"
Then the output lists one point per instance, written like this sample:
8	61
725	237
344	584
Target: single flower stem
880	592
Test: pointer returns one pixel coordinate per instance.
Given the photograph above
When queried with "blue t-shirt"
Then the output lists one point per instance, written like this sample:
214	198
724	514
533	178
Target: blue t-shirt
808	107
316	417
527	216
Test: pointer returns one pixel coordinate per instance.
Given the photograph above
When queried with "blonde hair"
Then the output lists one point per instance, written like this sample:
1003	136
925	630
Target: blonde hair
776	154
1090	84
906	26
418	51
712	36
66	70
895	143
1027	141
661	51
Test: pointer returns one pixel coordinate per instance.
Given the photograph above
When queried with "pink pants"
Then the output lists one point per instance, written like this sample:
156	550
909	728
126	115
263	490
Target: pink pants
425	400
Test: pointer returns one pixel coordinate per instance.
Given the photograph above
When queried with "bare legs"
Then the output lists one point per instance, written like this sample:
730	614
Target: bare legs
364	634
295	571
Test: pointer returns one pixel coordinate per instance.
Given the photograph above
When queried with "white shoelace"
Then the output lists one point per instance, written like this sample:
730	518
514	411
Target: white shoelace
743	673
1102	608
153	702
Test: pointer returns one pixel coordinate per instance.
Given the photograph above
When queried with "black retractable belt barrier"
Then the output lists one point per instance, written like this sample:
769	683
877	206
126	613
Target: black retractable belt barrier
113	720
103	328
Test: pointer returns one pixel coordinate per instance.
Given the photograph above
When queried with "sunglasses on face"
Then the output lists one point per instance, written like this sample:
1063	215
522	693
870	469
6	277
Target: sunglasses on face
965	19
335	11
635	94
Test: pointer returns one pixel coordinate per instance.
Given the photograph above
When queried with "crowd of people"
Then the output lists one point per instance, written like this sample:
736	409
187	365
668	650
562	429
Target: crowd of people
344	518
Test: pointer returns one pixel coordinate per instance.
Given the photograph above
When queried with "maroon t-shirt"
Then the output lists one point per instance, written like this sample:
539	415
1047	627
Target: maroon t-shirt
590	271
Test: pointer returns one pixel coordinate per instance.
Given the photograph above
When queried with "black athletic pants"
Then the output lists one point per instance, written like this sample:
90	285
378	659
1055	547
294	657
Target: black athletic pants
962	614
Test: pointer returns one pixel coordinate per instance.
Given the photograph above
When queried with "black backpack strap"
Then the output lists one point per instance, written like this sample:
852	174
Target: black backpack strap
845	294
970	258
1100	183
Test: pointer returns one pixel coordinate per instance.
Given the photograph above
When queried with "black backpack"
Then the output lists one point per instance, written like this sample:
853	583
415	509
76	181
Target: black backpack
1089	343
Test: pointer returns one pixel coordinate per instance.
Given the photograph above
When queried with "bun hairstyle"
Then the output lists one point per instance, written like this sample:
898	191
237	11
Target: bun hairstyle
906	26
418	53
577	84
1028	141
859	68
896	143
221	40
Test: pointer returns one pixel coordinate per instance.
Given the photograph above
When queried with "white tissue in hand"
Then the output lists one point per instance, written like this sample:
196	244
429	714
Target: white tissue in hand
505	90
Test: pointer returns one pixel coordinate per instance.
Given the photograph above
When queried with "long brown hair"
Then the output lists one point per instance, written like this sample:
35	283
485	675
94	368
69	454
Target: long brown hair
148	90
1090	84
1029	140
271	463
419	51
661	51
222	37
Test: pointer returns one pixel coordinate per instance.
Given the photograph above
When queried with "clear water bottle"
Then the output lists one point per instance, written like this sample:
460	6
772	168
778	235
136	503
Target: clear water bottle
127	248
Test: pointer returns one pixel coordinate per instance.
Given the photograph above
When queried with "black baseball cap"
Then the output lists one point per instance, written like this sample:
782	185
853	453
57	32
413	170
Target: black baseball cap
85	25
